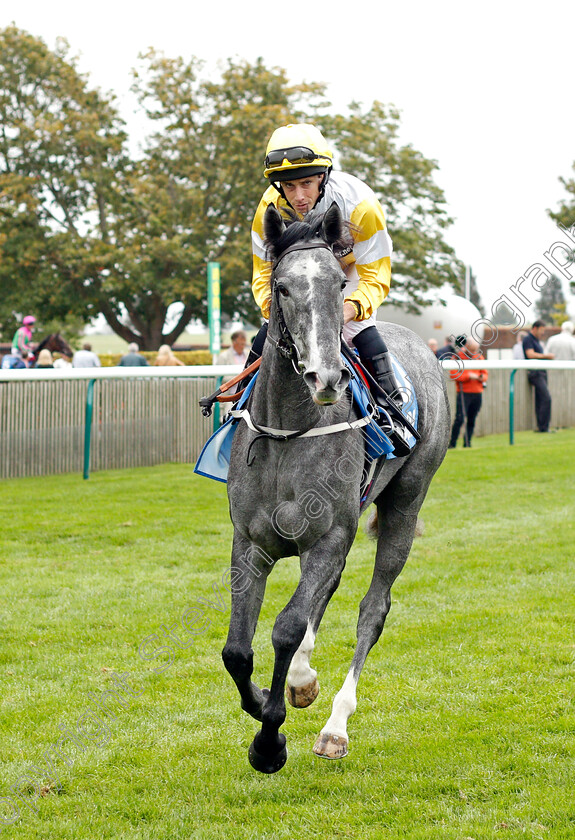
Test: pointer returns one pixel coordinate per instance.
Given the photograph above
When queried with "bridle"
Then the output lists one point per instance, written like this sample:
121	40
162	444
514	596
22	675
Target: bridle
285	345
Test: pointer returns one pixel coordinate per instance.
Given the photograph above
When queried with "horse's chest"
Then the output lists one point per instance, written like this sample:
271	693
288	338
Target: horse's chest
293	493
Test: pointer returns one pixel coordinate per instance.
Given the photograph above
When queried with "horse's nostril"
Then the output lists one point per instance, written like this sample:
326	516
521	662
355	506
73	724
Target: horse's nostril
327	381
344	378
311	379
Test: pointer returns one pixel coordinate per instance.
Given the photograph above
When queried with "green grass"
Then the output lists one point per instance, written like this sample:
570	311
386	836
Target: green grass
465	720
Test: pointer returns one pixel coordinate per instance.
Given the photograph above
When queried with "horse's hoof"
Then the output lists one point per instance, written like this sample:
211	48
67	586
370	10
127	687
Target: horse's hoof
330	746
268	763
303	695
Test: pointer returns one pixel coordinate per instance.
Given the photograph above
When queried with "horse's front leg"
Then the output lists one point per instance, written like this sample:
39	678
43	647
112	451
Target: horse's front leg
302	683
322	568
249	570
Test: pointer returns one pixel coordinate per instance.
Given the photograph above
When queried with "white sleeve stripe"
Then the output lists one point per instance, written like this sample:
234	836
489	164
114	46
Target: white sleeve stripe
258	247
375	248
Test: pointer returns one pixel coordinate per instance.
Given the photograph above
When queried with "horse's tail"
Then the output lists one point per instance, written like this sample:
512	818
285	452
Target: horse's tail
371	528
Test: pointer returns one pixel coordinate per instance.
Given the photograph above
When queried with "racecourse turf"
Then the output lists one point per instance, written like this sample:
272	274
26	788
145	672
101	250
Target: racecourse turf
465	721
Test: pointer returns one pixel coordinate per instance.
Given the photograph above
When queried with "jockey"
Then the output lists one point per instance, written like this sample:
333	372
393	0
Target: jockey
298	165
22	341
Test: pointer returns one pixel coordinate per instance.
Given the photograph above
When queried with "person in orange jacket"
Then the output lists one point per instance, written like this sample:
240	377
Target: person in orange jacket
469	385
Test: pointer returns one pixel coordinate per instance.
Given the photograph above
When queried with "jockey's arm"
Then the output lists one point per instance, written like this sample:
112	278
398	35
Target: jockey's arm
262	272
372	251
23	341
262	267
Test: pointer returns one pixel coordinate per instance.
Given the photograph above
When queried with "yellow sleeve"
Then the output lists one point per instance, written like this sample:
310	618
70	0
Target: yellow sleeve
262	267
372	251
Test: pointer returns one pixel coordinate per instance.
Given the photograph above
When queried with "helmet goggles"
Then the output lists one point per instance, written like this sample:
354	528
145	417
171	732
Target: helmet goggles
293	155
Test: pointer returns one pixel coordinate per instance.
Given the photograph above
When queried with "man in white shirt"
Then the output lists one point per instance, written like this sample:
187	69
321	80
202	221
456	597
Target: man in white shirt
562	345
518	346
85	358
237	354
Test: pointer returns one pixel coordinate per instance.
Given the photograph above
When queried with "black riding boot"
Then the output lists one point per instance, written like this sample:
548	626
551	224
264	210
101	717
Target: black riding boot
380	368
375	356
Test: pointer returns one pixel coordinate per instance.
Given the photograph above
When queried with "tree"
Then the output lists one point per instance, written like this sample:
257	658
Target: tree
566	216
474	295
61	149
205	160
551	304
88	227
402	178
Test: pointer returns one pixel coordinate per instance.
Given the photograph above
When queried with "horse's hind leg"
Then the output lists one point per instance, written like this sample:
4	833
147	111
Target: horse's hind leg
249	570
396	532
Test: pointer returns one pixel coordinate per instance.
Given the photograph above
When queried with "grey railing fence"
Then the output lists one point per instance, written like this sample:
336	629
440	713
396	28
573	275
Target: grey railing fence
153	418
136	420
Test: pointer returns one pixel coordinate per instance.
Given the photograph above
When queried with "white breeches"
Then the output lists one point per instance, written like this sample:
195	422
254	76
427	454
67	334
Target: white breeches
352	328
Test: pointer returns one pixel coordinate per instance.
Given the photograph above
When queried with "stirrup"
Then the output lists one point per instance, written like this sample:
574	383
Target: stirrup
396	431
399	437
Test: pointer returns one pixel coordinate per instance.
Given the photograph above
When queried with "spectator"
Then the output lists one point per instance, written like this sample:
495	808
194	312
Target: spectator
44	360
13	362
449	350
469	386
432	344
166	357
237	354
22	341
133	357
85	358
562	345
533	349
63	362
518	346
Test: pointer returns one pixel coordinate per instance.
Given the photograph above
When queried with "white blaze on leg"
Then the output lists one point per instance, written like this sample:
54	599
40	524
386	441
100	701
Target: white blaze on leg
344	705
300	673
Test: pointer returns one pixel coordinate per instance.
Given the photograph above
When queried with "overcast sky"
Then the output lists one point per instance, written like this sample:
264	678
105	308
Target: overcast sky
485	90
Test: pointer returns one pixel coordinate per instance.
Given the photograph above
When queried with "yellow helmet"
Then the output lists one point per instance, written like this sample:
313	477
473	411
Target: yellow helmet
295	151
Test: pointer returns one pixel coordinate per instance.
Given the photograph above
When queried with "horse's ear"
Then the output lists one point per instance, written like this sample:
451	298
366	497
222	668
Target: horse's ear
332	226
273	226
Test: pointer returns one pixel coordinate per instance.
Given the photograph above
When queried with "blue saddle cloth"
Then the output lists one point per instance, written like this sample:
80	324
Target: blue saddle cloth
214	459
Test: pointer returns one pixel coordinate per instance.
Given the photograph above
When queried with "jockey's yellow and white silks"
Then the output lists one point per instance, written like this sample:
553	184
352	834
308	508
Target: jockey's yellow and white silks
367	267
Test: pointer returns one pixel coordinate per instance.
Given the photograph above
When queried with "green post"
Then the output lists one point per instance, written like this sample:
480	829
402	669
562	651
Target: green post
214	315
88	426
512	406
214	323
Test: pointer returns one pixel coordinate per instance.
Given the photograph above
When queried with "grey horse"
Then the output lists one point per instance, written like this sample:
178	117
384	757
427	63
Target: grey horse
294	491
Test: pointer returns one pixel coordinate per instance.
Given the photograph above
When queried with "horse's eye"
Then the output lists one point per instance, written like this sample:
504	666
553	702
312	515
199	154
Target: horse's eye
283	291
343	284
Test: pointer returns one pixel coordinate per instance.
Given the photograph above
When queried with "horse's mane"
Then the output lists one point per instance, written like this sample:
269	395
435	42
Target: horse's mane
305	231
42	344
